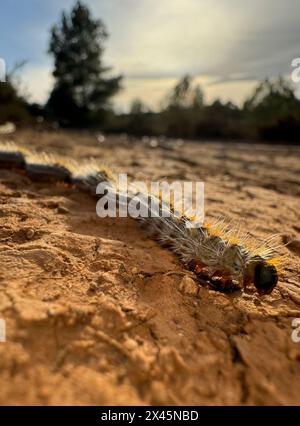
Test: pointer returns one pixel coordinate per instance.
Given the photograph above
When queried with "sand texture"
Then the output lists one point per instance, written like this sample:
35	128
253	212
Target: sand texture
98	313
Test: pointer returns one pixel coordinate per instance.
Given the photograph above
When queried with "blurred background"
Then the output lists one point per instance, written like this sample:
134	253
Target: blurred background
193	69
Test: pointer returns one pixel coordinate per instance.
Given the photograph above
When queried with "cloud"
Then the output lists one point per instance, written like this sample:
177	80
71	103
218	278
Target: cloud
36	83
169	38
155	39
233	42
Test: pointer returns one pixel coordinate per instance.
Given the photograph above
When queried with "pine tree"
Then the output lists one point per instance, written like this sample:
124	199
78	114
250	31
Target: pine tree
82	89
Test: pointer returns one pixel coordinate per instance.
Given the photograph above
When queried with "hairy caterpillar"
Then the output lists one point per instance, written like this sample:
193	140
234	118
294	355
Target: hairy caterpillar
214	252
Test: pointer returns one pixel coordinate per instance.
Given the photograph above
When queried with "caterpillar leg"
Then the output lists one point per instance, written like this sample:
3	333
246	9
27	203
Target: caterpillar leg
225	285
214	279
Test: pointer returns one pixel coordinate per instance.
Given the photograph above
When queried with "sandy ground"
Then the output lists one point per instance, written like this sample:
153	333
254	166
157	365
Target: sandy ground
97	313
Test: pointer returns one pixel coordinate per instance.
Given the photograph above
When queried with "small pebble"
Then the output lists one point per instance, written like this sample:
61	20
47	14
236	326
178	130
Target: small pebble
130	344
188	286
30	234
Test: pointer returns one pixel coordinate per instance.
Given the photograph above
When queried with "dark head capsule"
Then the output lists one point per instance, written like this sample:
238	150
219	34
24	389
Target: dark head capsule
265	277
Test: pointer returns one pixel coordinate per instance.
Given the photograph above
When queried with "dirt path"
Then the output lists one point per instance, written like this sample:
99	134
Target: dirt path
97	313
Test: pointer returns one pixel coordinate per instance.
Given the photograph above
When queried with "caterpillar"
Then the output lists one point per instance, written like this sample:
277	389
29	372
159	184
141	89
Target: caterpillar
214	252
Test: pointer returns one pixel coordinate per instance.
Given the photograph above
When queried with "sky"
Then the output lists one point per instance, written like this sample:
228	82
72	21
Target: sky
226	45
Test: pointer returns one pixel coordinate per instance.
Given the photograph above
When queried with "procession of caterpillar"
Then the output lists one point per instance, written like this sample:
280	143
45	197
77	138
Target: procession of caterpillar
215	252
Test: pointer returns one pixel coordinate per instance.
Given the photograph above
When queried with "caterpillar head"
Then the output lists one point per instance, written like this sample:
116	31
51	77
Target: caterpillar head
265	277
262	274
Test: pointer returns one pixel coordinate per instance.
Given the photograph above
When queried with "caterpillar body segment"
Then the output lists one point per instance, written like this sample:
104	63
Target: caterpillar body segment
214	252
227	265
11	156
46	172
